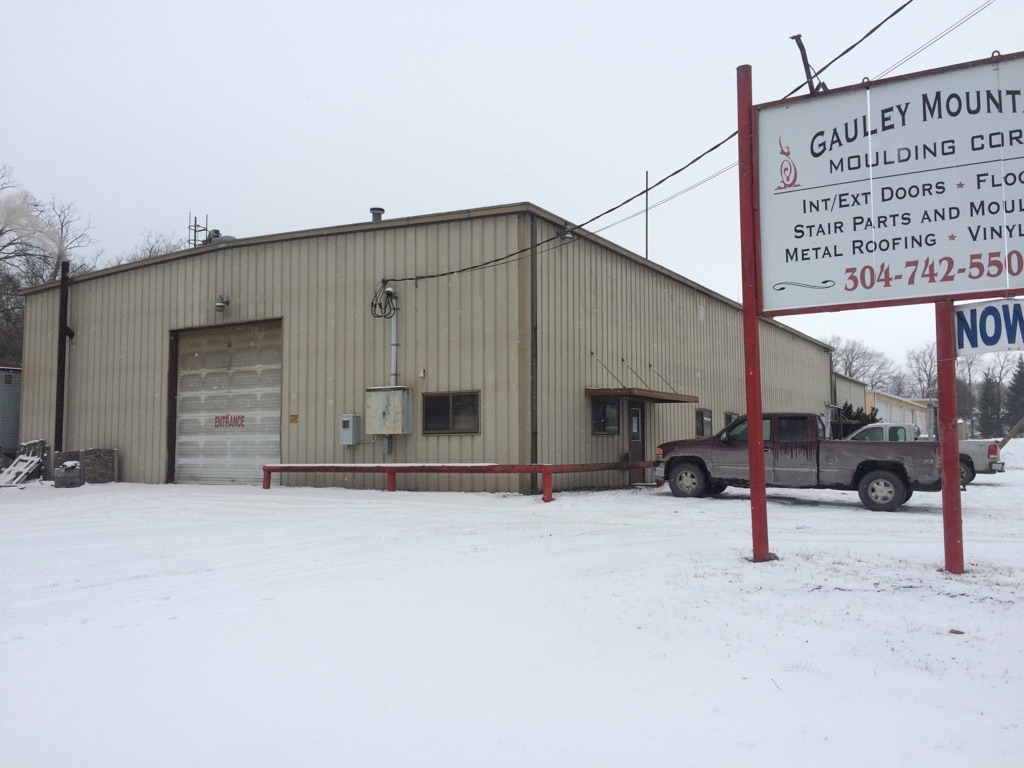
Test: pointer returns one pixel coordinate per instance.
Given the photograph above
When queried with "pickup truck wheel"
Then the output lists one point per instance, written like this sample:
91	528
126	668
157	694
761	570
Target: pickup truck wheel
966	472
687	480
882	491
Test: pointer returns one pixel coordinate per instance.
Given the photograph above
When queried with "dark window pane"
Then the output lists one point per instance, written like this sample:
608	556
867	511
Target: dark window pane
452	413
792	429
436	413
466	413
703	426
604	416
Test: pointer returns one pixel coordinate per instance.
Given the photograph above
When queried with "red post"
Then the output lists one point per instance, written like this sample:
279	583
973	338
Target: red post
949	443
266	478
547	484
751	314
392	480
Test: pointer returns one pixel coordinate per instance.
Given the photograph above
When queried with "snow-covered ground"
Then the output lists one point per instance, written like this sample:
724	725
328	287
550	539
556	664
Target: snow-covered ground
197	626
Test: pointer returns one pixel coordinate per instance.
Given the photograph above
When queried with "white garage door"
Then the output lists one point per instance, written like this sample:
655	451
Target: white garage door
228	404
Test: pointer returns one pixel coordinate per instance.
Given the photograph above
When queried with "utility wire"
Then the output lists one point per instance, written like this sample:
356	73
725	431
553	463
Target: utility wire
935	39
514	256
867	34
898	64
671	197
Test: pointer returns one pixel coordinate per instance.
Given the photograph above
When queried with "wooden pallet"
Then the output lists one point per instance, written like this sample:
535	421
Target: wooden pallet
28	460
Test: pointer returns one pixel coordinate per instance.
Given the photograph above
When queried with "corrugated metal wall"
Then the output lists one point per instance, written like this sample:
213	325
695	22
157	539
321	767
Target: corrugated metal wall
598	313
608	320
39	366
850	391
458	332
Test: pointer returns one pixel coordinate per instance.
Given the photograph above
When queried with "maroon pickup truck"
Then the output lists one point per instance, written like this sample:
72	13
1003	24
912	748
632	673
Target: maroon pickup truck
797	455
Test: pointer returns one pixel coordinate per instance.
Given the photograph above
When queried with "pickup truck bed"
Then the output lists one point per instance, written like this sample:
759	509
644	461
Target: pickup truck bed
977	457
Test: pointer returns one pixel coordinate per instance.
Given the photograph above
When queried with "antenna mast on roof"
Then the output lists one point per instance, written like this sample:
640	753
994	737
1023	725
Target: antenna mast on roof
196	229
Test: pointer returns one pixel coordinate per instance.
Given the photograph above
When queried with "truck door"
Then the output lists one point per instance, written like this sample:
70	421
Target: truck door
794	452
730	453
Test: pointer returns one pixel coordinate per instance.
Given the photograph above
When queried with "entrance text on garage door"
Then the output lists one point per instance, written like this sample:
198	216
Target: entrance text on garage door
229	420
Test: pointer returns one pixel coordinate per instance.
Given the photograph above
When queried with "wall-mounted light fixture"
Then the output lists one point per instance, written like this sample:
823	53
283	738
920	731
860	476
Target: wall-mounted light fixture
222	303
567	231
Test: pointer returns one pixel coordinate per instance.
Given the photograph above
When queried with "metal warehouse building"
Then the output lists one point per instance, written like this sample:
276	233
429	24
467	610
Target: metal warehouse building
506	337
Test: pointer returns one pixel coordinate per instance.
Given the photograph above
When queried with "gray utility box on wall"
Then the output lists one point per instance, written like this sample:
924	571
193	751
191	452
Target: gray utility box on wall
388	411
348	429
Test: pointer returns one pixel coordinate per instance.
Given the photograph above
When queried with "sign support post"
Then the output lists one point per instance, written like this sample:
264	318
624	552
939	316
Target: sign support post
751	321
949	444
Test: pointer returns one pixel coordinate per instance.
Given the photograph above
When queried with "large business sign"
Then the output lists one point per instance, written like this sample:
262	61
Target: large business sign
989	326
894	192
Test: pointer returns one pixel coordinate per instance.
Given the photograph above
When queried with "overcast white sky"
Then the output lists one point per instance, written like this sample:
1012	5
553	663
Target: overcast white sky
272	117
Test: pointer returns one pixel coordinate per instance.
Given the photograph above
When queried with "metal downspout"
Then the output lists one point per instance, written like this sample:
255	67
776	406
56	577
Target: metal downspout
63	334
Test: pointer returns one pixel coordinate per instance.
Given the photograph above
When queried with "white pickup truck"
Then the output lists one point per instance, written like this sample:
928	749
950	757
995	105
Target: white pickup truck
977	457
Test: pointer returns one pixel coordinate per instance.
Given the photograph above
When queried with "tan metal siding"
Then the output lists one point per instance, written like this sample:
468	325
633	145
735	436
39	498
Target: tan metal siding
39	366
469	331
795	374
851	391
610	321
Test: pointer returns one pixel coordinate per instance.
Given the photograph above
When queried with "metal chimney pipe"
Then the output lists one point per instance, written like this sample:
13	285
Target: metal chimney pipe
377	213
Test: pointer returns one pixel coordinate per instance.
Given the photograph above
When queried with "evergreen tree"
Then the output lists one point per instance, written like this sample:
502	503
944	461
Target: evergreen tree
851	420
990	410
1013	403
965	402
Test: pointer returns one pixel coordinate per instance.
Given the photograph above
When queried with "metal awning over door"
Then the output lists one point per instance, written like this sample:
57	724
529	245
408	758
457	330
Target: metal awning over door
228	421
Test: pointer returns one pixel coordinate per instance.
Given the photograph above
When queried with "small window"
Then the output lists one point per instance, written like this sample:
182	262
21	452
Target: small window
703	422
451	413
604	416
635	421
873	433
730	417
738	434
898	434
792	429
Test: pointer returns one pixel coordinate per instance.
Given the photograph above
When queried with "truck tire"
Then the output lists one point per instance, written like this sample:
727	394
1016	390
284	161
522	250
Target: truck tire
882	491
687	480
966	472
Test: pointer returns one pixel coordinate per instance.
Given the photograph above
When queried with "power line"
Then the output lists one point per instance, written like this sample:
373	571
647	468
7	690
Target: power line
671	197
866	35
898	64
935	39
514	256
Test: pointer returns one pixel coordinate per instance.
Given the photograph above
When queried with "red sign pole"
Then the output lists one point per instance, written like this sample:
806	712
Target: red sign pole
949	444
751	321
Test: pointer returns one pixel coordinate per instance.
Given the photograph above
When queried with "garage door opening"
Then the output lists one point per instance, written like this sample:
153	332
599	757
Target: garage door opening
227	399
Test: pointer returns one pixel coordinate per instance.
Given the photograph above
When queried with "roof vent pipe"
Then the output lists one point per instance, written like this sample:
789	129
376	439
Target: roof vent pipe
377	213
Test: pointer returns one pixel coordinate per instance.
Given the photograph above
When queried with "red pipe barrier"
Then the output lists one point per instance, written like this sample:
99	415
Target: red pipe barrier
391	471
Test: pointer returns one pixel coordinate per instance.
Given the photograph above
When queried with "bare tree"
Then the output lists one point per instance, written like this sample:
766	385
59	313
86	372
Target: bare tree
1000	367
153	244
900	384
35	237
923	370
856	360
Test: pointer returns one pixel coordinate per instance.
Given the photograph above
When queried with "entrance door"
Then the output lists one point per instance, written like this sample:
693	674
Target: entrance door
636	439
228	421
